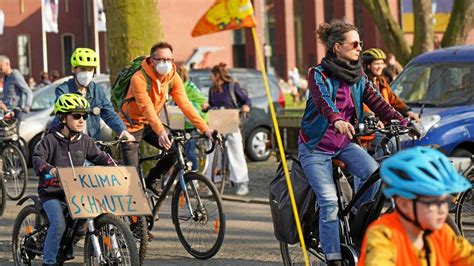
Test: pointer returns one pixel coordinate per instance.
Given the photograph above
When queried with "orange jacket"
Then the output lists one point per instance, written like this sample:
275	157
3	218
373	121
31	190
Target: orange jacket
146	106
386	243
390	97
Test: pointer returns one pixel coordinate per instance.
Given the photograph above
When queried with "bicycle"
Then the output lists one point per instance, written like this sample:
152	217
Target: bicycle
352	226
220	170
14	167
196	206
3	195
108	240
138	224
464	202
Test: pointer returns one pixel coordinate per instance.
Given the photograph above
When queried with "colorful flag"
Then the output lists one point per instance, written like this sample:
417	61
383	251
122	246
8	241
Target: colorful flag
226	15
101	25
50	15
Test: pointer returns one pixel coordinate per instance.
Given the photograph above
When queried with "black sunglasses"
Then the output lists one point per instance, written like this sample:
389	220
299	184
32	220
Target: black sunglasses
355	44
78	116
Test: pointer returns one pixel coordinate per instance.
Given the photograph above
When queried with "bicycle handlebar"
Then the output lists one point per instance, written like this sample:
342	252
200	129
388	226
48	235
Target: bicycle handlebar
392	130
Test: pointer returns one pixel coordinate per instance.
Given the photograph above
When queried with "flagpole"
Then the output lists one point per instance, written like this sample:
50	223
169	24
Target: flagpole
96	35
280	145
43	35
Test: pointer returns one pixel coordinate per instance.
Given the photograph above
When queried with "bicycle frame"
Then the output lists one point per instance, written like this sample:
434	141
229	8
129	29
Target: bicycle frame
180	168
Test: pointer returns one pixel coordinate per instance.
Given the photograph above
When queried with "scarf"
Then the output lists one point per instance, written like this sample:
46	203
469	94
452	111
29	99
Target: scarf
350	73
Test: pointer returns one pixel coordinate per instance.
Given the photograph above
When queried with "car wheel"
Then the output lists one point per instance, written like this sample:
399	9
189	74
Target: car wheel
461	153
258	144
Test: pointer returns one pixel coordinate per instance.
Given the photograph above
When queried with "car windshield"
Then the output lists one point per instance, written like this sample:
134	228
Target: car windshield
43	98
436	84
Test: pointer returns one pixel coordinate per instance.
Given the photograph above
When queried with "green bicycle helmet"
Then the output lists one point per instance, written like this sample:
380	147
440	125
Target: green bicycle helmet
84	57
373	54
71	102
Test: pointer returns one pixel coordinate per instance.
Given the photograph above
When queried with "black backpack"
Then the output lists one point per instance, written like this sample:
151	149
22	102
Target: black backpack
284	225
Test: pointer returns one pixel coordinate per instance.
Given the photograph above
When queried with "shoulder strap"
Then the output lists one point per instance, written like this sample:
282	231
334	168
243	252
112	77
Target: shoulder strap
147	78
232	94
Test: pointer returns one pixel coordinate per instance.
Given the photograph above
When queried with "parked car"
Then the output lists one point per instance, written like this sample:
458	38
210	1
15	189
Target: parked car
440	85
34	124
257	130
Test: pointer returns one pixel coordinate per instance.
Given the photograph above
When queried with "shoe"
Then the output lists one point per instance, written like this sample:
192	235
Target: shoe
154	185
69	253
334	263
242	189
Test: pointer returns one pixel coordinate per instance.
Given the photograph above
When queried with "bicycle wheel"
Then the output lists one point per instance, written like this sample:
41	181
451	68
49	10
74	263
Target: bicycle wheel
28	239
139	227
293	255
220	172
116	242
3	198
15	171
465	214
202	231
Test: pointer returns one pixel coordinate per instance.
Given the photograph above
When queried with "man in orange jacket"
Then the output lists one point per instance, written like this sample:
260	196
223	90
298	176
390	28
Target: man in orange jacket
141	106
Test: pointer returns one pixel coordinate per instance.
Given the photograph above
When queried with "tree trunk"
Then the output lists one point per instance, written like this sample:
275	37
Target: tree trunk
392	33
423	35
460	23
133	26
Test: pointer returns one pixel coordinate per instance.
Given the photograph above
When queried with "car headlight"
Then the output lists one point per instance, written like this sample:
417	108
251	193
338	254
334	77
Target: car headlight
427	122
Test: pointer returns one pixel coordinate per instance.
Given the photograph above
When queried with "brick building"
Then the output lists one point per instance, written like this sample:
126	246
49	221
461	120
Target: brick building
287	26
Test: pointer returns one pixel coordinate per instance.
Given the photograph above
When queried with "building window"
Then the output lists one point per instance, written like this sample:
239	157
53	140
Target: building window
24	57
238	48
298	19
68	47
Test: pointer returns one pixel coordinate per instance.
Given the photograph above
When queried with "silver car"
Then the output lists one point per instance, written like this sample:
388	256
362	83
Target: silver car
34	124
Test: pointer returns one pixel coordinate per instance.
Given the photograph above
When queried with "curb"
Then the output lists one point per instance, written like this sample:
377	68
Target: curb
245	199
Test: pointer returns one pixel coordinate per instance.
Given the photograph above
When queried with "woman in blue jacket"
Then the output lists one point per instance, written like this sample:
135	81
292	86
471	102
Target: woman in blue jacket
338	88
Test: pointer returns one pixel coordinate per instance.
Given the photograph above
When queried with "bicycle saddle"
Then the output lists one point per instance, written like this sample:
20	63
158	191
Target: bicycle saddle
338	163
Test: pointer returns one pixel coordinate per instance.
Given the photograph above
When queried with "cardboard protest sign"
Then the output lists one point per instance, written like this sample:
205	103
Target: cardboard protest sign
91	191
224	120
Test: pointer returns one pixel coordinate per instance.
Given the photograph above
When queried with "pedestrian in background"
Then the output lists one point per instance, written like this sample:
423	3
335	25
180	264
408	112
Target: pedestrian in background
393	68
219	97
16	93
54	75
44	79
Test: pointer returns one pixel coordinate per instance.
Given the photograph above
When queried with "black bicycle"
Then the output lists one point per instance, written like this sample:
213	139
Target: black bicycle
196	206
138	224
14	167
3	195
352	226
465	206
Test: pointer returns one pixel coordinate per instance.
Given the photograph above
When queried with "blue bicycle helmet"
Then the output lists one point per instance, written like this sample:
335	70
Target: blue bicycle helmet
421	171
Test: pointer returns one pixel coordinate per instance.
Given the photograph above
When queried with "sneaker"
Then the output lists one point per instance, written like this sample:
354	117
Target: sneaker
242	189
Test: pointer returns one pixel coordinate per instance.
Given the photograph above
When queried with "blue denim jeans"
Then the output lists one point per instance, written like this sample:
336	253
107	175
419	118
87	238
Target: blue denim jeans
54	209
317	166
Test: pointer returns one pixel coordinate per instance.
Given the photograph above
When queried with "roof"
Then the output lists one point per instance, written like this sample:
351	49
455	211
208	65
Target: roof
460	54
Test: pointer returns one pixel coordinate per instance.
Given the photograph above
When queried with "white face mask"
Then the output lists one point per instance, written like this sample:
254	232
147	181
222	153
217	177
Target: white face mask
84	78
163	68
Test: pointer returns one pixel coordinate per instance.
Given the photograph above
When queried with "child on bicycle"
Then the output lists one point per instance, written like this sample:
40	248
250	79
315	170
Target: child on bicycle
59	149
420	181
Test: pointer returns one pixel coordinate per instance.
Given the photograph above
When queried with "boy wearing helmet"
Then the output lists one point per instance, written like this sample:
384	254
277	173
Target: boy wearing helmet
374	64
58	149
83	62
420	180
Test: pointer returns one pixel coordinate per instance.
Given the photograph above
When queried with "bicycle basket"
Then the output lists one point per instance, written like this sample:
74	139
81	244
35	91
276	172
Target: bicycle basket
8	130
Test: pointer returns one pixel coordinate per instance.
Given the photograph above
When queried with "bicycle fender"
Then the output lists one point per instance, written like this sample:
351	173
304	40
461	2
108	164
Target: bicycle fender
34	198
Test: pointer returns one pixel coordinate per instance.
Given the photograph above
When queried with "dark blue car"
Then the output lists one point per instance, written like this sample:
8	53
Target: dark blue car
440	85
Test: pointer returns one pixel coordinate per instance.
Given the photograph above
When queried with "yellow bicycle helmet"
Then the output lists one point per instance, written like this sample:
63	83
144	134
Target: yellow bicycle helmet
71	102
84	57
373	54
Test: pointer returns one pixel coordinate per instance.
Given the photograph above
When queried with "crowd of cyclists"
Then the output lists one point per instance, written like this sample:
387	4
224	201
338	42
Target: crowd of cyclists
345	87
